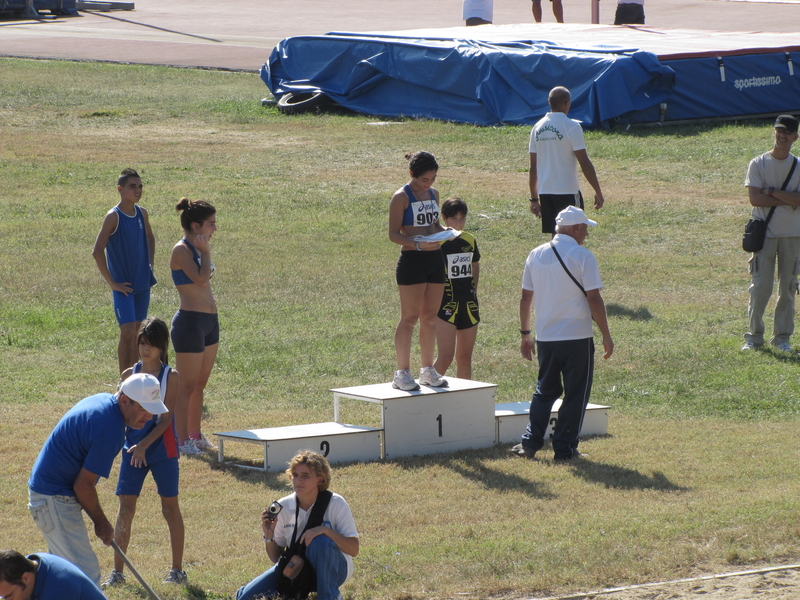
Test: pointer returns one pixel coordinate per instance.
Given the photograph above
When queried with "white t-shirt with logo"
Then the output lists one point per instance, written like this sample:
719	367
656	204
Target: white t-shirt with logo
554	140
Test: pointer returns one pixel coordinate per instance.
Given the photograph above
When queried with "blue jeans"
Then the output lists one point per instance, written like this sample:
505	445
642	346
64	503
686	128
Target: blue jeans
574	361
324	556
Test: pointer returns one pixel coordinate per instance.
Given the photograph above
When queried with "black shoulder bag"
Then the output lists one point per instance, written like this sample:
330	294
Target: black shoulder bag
571	276
296	577
755	231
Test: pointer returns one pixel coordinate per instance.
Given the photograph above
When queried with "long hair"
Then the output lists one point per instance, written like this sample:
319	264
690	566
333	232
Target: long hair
154	332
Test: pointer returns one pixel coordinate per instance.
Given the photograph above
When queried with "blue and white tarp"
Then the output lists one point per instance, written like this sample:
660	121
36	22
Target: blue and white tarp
467	80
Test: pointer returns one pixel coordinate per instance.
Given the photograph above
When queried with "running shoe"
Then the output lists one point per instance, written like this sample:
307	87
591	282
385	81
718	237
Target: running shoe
204	445
749	346
404	381
429	376
785	347
176	576
189	448
114	578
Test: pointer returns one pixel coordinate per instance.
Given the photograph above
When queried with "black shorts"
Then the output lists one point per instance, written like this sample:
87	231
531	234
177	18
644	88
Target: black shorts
632	14
193	331
552	204
461	313
414	267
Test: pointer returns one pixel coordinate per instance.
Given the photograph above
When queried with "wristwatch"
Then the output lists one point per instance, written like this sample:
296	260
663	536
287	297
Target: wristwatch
533	199
525	331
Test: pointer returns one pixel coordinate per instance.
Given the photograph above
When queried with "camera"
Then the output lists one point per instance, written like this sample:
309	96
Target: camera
273	510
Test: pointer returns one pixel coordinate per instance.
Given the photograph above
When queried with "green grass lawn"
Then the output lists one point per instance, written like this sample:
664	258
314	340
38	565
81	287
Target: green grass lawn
698	473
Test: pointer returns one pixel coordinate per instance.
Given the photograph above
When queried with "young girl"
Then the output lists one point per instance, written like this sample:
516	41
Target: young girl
151	449
414	211
459	316
195	327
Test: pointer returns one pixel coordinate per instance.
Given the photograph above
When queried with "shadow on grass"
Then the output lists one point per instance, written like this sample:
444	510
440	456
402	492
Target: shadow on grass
634	314
472	464
623	478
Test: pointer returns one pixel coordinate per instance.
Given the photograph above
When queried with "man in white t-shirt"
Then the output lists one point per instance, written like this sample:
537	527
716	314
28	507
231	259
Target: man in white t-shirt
765	177
565	299
556	149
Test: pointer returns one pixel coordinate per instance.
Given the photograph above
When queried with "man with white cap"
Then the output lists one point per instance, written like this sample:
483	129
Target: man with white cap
561	282
81	449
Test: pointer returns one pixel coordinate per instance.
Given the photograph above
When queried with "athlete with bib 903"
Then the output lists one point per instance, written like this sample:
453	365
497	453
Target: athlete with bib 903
413	212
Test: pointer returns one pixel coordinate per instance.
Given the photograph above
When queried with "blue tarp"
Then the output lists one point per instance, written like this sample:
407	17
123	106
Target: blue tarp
730	86
63	7
467	81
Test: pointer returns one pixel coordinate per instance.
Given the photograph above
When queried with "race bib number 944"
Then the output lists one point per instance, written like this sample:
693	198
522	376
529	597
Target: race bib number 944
425	213
459	265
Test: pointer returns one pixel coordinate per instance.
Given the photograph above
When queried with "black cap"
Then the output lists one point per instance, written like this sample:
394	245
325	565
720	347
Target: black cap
787	122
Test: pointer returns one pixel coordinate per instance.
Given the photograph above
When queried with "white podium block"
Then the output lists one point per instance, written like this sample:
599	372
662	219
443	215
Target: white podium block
430	420
512	418
336	441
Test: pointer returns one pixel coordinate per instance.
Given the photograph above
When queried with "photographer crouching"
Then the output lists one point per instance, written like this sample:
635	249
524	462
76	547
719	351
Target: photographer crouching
309	535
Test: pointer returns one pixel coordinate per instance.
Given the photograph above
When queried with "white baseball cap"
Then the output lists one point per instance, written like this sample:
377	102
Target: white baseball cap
572	215
146	390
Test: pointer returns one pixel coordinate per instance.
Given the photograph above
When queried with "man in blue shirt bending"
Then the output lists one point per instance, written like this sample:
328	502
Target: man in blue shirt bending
80	450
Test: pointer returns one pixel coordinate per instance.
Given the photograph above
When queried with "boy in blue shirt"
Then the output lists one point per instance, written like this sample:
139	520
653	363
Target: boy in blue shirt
124	252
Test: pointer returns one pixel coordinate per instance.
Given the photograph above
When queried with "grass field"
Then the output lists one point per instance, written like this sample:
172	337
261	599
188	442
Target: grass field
698	473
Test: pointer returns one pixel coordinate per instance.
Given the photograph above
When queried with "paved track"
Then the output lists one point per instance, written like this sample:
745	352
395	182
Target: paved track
239	34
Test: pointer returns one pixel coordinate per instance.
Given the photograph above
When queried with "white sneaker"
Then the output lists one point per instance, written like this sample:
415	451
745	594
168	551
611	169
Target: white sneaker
785	347
204	445
114	578
749	346
404	381
189	448
176	576
429	376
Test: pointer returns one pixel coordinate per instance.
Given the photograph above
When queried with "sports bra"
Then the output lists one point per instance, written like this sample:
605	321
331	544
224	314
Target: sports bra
420	213
179	276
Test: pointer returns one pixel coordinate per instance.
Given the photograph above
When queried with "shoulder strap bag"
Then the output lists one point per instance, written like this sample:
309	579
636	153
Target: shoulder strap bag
296	576
755	231
571	276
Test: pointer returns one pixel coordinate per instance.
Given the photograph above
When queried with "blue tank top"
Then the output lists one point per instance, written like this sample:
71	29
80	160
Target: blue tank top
179	276
167	445
420	213
127	252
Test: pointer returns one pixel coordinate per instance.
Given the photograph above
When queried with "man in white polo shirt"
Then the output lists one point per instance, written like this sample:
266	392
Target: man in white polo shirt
562	283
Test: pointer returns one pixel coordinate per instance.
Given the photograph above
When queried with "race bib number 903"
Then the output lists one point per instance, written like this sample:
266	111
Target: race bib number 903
459	265
425	213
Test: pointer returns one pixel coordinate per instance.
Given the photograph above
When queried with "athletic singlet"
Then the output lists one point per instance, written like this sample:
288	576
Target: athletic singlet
167	445
127	252
420	213
179	276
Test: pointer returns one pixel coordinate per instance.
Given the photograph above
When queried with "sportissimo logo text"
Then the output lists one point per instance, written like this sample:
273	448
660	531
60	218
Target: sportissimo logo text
740	84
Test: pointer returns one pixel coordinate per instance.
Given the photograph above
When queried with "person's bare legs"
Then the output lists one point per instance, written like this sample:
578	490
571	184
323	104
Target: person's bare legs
127	349
122	528
465	343
536	6
195	414
558	11
445	346
428	317
172	514
411	299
